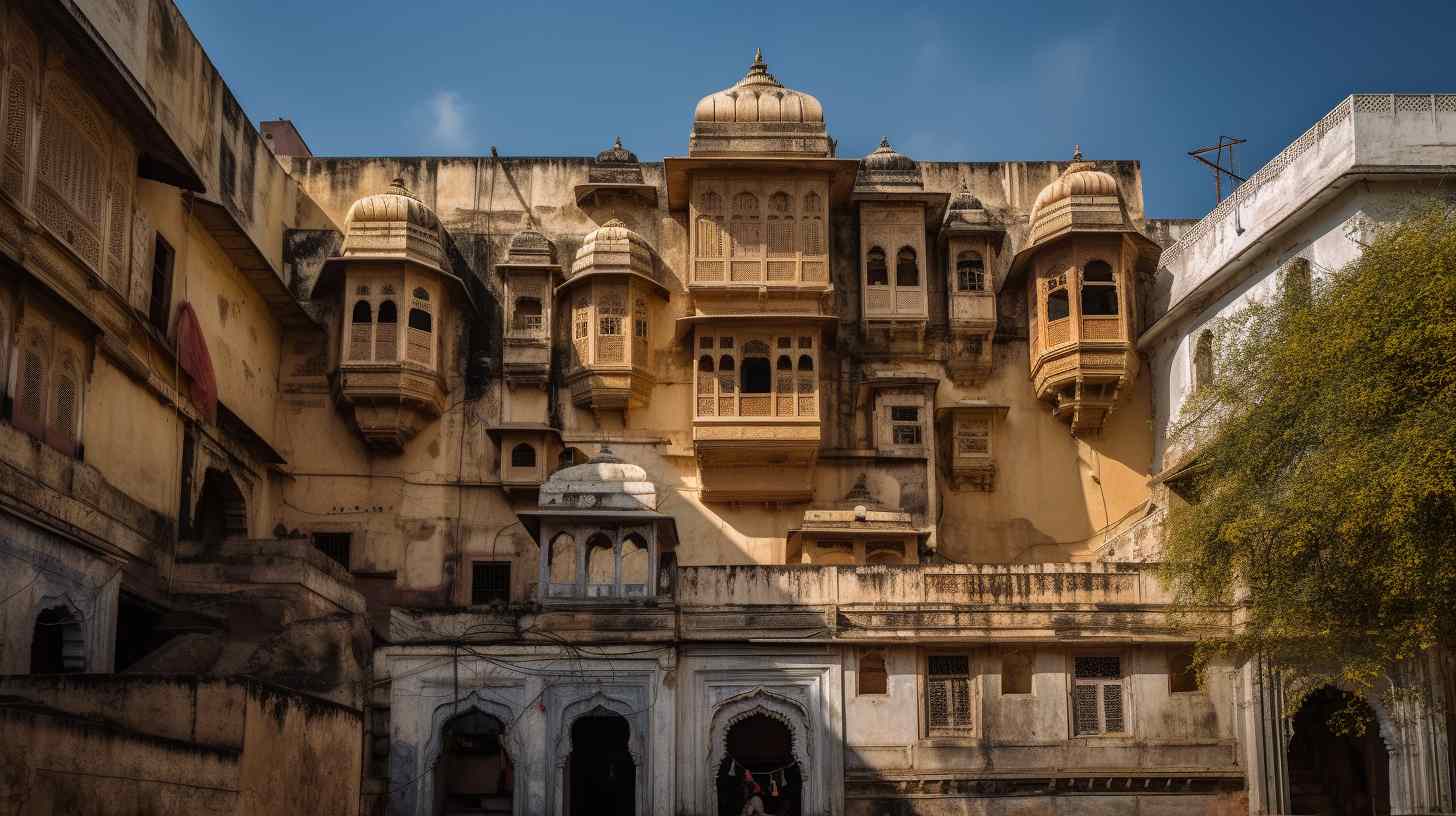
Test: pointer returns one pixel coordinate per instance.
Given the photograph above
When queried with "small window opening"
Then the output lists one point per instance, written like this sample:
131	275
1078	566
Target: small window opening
1057	305
948	694
159	309
523	456
58	645
905	424
970	272
907	269
1182	672
873	679
1203	372
420	319
490	581
756	376
1099	289
877	272
1016	672
528	317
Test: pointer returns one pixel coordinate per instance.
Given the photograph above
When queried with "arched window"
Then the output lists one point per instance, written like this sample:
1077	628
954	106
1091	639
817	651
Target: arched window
907	269
1058	305
780	225
58	644
420	346
65	412
1203	361
813	225
1297	283
601	565
707	403
970	272
360	328
746	227
635	572
1099	289
877	273
785	363
386	333
756	377
562	564
523	456
873	679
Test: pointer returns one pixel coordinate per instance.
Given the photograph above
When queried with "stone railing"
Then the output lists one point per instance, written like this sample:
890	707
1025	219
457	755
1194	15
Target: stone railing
1356	104
932	584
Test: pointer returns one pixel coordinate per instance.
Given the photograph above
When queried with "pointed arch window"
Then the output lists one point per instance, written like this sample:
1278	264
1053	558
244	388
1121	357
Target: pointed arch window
877	272
907	268
361	328
1203	372
747	226
386	333
421	341
781	225
1099	289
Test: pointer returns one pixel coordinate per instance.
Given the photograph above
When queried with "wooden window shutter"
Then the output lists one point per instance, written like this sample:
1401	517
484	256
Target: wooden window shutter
31	381
65	404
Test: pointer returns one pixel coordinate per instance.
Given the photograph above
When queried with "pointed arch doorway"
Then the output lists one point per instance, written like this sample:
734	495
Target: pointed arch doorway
600	772
1337	774
760	752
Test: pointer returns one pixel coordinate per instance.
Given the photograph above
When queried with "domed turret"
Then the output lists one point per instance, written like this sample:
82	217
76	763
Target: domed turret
393	224
616	154
1080	265
1082	197
758	114
610	294
600	533
613	247
887	167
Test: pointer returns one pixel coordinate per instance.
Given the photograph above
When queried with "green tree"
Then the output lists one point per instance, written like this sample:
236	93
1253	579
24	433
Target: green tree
1322	492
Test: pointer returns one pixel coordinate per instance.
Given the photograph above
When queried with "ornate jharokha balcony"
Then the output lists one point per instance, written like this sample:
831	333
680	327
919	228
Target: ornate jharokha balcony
756	416
1088	601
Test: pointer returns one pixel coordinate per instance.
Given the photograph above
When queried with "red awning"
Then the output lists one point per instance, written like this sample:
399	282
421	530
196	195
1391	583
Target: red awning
194	359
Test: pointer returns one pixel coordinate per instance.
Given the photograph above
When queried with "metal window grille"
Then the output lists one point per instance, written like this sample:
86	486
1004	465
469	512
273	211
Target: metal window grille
1097	702
948	694
490	581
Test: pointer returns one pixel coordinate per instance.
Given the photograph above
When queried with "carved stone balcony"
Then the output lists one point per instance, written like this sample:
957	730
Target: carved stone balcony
757	458
390	402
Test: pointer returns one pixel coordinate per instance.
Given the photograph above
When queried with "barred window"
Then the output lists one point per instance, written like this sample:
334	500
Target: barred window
905	424
948	695
1097	701
611	327
970	272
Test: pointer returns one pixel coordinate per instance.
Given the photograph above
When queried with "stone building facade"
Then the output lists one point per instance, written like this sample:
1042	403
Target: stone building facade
504	485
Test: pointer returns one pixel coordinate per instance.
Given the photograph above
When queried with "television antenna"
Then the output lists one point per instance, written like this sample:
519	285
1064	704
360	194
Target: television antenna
1225	143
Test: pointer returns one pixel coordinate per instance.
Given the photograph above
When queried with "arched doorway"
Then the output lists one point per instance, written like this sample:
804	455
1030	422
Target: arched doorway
601	776
474	775
1337	774
222	510
58	644
760	752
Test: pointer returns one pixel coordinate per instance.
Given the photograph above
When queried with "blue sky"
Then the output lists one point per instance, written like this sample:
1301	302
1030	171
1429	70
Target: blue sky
967	81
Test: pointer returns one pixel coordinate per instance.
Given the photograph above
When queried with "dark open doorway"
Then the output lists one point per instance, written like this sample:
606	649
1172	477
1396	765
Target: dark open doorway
222	510
1337	774
474	776
600	773
761	753
58	644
